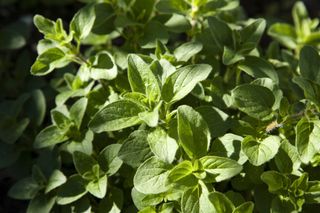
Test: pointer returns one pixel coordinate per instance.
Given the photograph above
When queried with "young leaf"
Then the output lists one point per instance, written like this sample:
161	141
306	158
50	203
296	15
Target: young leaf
150	118
116	116
194	135
83	21
254	100
222	168
48	61
251	34
44	25
284	33
181	83
98	188
151	176
83	162
260	152
141	78
182	174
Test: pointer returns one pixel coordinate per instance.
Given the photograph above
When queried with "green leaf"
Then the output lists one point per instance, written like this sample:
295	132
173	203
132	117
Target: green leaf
105	16
231	56
258	68
254	100
60	119
221	202
307	135
217	120
222	168
83	162
194	135
284	33
181	174
98	188
44	25
312	194
162	145
260	152
141	78
220	32
56	179
135	149
150	118
149	209
143	9
181	83
41	203
287	158
151	176
116	116
229	146
49	136
108	159
246	207
275	181
187	50
251	34
168	6
113	202
309	64
103	66
24	189
141	200
154	31
282	205
83	21
300	15
195	201
78	110
72	190
49	60
311	90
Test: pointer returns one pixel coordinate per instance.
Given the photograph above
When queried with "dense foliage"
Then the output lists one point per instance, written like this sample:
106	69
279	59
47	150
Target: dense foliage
163	106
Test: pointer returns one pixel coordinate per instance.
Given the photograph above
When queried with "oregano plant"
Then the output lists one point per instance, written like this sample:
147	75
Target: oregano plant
159	106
